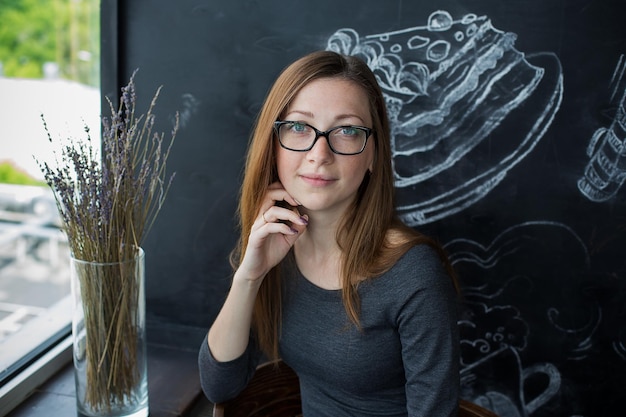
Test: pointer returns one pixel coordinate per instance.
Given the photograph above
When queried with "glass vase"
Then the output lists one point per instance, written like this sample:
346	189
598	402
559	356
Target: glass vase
109	336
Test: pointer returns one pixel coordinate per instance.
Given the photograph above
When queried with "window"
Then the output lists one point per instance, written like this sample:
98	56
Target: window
49	65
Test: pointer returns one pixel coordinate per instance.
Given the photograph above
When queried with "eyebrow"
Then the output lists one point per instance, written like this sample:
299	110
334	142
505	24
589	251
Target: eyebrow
304	113
338	118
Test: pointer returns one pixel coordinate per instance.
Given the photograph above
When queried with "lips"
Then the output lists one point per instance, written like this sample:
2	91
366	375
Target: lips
317	180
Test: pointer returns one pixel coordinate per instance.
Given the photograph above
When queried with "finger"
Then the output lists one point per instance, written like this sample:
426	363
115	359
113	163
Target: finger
276	193
302	225
285	215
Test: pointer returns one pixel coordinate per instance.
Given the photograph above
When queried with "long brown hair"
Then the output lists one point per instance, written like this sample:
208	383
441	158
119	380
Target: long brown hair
370	235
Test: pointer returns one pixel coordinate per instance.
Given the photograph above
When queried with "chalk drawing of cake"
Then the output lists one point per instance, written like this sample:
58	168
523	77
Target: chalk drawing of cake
605	173
465	107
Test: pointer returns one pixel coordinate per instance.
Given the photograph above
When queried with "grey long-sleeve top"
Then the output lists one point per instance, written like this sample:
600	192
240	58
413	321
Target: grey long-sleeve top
404	361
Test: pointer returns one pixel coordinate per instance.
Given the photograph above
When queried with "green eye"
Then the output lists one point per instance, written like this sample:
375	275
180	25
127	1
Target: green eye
349	131
298	127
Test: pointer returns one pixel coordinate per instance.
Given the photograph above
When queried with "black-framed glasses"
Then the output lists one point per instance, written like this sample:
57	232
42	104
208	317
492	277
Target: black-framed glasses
342	140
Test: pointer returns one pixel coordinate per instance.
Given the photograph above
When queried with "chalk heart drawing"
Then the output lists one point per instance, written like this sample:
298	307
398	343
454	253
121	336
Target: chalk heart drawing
455	90
494	332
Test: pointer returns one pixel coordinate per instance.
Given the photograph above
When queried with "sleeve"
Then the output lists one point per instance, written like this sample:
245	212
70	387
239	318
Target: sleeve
222	381
427	323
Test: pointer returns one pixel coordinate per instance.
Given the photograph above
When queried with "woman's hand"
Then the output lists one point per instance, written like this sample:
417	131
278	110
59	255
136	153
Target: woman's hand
273	233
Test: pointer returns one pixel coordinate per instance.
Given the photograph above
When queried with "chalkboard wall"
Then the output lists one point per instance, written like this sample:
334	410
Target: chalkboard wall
509	135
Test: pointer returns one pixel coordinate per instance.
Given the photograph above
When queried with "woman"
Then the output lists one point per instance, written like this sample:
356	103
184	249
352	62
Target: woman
327	278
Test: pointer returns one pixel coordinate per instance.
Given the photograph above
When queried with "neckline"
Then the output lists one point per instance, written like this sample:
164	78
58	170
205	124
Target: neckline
310	284
313	285
293	261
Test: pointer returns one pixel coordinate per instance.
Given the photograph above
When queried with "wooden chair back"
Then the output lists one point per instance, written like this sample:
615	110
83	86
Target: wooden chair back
274	391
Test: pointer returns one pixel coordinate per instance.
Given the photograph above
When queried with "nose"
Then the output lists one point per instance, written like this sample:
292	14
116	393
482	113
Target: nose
320	152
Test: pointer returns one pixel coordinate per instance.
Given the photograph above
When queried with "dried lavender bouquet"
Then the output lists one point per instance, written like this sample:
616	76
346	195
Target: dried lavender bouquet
107	204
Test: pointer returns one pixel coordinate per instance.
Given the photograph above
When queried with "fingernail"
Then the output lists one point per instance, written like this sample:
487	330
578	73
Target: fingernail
305	219
294	231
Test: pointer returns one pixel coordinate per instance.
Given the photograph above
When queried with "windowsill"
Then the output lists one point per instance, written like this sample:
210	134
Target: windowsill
173	381
34	338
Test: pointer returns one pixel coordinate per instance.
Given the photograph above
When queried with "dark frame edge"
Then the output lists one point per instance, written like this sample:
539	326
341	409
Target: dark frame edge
109	53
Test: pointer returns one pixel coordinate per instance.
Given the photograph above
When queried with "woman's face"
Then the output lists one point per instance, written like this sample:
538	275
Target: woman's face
320	179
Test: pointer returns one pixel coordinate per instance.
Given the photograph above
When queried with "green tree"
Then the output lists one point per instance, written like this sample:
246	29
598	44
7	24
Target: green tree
66	32
12	175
